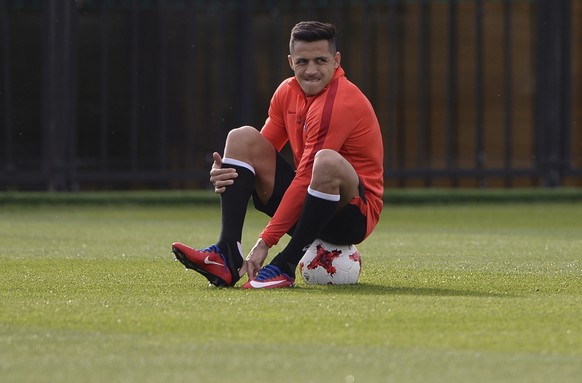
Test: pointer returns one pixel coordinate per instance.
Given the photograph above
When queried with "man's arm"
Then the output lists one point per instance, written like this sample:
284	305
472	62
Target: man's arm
255	259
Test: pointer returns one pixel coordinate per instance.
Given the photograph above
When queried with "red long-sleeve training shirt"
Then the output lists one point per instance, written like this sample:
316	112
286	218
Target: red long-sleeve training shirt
339	118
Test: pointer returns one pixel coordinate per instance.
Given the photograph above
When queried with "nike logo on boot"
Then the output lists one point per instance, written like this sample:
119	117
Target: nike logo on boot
209	262
262	285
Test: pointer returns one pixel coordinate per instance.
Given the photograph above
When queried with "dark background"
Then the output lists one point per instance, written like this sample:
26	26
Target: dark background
137	94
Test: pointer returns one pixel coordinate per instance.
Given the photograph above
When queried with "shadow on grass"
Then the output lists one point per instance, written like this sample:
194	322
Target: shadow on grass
375	289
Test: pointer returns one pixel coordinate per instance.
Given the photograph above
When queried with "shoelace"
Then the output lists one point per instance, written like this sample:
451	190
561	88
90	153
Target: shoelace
268	272
212	248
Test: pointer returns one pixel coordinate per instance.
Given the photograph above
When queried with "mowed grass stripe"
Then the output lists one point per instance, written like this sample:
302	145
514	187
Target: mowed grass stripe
448	293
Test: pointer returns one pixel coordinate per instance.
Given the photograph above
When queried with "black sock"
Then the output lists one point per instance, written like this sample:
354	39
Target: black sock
234	202
317	212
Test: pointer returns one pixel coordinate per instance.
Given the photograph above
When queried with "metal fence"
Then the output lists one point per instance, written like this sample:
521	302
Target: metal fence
138	93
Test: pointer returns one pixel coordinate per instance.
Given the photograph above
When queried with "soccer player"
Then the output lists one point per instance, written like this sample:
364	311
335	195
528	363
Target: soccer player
333	191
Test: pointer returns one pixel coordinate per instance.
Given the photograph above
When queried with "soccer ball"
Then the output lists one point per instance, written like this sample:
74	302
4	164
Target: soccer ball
327	264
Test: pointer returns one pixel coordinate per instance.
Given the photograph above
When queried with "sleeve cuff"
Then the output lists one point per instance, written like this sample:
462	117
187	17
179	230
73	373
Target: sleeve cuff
269	240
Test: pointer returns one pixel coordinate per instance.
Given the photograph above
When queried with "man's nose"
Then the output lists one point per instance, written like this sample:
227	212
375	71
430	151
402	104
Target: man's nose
311	68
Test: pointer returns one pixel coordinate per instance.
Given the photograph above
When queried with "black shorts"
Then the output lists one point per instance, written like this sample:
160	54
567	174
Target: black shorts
348	226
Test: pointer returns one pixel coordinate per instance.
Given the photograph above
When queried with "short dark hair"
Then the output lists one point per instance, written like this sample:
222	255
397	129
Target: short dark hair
310	31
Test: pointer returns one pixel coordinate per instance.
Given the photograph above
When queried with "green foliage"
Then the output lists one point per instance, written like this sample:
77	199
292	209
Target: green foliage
455	293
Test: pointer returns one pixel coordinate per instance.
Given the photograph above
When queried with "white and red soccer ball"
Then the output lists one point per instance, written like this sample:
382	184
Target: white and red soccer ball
327	264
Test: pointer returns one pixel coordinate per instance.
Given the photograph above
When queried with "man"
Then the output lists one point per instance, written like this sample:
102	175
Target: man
335	191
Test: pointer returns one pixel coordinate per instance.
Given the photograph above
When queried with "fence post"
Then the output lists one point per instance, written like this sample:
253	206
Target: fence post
6	92
553	89
245	83
58	96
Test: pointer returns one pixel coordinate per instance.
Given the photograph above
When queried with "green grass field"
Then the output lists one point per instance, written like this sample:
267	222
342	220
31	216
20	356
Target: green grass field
470	292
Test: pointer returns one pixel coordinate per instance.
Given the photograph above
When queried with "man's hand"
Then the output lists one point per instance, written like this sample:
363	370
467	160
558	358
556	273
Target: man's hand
255	259
219	177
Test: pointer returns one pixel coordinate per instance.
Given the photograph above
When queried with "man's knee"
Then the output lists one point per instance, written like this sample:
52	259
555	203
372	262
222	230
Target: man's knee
332	173
244	143
327	161
327	167
242	134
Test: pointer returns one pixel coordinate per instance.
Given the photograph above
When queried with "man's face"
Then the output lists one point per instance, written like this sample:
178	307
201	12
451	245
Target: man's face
313	64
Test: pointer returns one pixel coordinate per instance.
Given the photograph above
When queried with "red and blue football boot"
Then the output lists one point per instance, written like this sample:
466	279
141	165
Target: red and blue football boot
270	277
214	263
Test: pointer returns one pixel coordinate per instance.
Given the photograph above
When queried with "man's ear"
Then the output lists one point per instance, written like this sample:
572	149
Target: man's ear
290	62
337	59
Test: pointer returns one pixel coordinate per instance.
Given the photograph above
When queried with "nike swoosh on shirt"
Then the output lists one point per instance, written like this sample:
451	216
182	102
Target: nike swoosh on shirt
258	285
209	262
